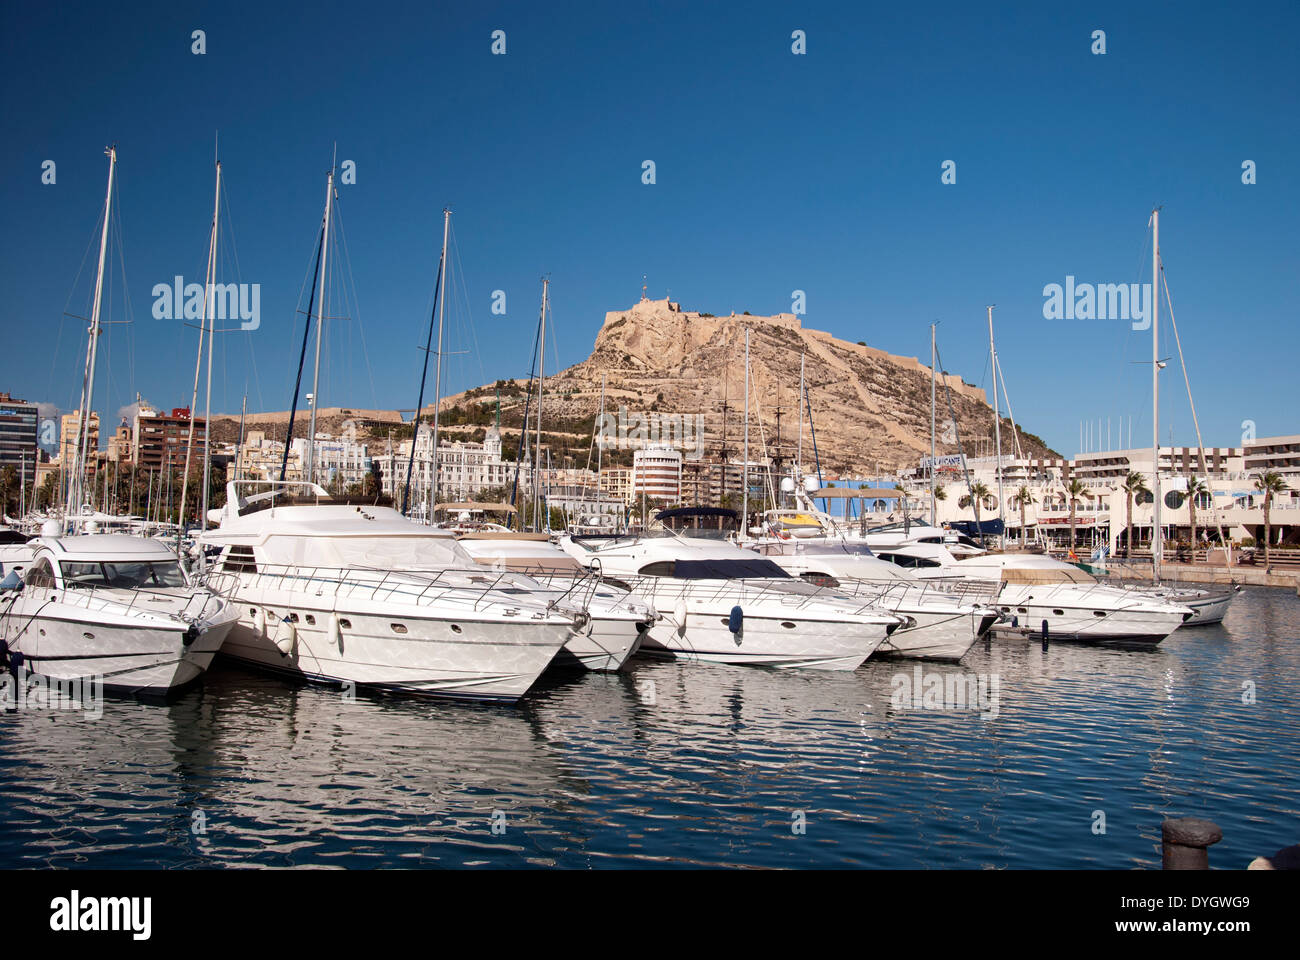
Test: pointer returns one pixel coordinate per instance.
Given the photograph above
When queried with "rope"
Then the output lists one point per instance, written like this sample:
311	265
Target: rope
1200	445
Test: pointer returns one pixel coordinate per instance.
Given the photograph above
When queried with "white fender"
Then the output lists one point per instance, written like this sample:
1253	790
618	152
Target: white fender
679	614
335	631
286	637
259	622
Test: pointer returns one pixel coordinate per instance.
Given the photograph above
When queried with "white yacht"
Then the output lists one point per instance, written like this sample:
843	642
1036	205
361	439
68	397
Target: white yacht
1038	589
720	603
616	621
358	594
942	619
109	608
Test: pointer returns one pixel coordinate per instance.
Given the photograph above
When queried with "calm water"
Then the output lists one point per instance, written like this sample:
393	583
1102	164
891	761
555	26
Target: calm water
677	765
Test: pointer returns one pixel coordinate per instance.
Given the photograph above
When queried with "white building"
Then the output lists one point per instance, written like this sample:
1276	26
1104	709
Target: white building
657	473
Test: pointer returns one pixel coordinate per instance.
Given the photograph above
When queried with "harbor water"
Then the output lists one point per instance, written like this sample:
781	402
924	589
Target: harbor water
1067	757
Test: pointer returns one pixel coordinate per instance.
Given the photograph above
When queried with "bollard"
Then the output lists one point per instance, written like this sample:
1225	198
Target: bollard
1185	843
1045	629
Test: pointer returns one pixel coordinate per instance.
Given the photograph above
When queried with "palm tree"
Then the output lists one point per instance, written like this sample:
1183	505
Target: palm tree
1195	488
1076	488
1134	484
1269	483
977	494
1024	496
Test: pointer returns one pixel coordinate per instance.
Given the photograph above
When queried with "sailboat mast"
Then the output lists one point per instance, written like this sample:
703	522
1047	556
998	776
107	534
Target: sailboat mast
208	280
1156	533
798	450
310	466
239	449
437	368
744	467
997	414
934	515
541	382
211	313
88	384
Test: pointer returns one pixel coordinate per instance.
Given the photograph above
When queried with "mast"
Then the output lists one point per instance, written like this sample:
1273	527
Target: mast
437	369
541	381
310	465
744	468
934	515
208	307
210	311
239	449
798	450
997	414
88	384
1157	538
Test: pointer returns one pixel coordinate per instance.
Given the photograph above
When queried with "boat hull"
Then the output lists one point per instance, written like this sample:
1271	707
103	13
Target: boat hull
486	660
821	645
603	644
127	659
937	636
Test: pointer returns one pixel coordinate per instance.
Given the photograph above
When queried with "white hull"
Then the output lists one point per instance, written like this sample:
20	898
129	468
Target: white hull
937	636
822	645
493	660
604	643
1209	610
126	658
1071	617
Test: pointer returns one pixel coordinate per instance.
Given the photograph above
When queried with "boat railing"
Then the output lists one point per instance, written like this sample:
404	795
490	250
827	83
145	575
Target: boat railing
791	593
129	601
474	588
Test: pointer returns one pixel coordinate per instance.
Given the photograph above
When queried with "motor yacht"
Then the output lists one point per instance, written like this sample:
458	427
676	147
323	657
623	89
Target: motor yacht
720	603
1038	590
358	594
942	619
615	622
112	609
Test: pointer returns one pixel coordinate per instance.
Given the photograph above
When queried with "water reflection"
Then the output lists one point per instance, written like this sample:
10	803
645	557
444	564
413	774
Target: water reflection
673	764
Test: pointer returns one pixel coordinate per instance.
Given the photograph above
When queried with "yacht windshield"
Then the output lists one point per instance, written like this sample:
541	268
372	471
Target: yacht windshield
122	575
758	568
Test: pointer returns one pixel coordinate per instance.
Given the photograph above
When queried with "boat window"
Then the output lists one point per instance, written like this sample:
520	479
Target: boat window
757	568
239	558
40	574
903	560
122	575
820	579
661	568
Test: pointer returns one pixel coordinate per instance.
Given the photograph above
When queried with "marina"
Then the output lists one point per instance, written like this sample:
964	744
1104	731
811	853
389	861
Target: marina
677	765
746	441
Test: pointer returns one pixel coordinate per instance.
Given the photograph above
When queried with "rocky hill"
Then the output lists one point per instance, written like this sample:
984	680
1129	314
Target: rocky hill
871	409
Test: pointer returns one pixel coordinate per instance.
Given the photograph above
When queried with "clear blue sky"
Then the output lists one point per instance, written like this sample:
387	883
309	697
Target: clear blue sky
775	172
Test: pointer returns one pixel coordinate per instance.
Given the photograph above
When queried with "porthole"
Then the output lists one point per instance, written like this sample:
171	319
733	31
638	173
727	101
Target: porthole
1058	613
89	636
292	618
787	624
455	628
1021	610
311	621
1099	613
398	627
345	624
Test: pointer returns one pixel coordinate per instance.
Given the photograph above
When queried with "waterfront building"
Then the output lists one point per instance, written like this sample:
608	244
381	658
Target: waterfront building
19	431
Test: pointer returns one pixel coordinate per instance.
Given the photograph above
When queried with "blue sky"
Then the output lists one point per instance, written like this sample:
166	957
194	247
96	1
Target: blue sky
775	172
